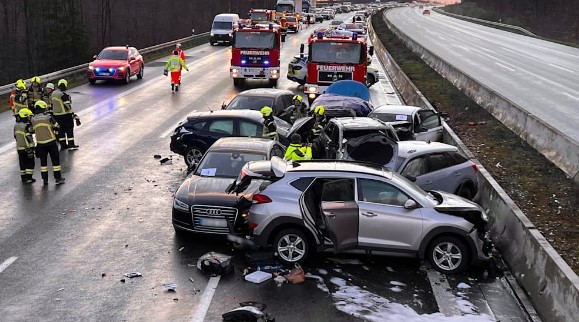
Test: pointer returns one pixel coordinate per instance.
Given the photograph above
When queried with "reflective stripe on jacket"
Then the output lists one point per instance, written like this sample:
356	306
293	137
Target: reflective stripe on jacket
23	136
34	94
61	104
175	63
20	102
43	126
297	152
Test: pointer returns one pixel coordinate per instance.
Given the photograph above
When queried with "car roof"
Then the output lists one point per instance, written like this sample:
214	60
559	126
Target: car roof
242	114
117	48
243	144
339	166
408	149
265	92
396	109
358	123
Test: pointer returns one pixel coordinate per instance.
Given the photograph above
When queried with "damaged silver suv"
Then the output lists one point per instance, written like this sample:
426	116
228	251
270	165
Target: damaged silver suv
343	205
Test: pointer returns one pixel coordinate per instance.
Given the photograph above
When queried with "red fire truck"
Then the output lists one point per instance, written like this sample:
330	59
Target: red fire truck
261	15
333	59
255	53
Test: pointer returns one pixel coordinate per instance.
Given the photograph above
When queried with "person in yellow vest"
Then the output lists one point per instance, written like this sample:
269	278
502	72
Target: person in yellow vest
269	127
25	145
44	127
64	116
20	97
35	91
174	65
297	151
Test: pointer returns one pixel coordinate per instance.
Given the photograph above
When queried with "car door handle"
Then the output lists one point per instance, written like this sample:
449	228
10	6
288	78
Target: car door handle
369	214
330	215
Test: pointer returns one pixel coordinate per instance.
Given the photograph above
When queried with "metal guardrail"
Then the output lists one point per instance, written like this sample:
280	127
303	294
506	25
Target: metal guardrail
498	24
64	73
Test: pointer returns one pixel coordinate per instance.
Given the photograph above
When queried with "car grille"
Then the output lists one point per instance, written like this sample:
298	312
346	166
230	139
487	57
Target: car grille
330	77
212	212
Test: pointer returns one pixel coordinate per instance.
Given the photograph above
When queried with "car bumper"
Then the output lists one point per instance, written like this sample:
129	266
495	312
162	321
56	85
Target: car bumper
178	146
220	38
483	246
186	221
117	75
254	72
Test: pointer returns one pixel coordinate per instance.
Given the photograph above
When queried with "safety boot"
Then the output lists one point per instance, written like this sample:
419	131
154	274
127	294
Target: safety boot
60	181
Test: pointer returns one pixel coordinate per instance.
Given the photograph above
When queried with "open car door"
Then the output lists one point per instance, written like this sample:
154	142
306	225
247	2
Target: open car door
430	127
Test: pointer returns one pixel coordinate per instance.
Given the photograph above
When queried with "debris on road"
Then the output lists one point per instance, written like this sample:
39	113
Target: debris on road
103	275
133	275
279	280
170	287
168	160
60	289
258	277
463	286
215	264
191	280
248	312
157	156
180	249
296	275
122	280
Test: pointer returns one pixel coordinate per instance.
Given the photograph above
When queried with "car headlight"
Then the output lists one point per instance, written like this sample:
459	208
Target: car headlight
122	69
212	34
312	89
180	205
90	67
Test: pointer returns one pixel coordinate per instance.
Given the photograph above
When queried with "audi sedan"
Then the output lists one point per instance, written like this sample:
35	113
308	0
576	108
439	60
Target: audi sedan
116	63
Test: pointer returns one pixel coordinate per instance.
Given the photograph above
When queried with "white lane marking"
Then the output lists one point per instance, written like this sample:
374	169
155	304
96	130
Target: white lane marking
562	68
463	48
571	96
206	299
509	50
505	67
171	129
446	301
7	263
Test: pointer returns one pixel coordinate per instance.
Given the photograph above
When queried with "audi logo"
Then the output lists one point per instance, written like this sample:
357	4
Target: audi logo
213	212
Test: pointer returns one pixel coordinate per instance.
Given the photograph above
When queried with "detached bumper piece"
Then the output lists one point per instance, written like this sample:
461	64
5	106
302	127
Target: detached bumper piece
248	312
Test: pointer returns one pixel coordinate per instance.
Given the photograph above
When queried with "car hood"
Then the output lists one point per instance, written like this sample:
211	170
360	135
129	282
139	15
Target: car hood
211	191
302	126
453	203
108	63
364	149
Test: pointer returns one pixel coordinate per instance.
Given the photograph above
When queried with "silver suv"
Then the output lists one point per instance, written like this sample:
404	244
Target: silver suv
344	205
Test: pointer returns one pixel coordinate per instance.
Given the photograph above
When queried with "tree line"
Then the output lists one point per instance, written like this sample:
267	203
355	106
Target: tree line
42	36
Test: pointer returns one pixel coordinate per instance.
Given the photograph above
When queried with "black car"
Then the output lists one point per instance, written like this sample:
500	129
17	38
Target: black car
200	130
201	204
256	99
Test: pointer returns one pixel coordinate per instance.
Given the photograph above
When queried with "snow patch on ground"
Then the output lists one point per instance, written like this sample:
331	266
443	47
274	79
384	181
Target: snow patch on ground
390	269
463	286
371	307
323	271
346	261
337	270
397	283
465	306
396	289
319	282
366	268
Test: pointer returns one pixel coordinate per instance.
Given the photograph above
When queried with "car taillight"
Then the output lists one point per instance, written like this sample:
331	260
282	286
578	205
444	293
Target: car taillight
259	199
474	167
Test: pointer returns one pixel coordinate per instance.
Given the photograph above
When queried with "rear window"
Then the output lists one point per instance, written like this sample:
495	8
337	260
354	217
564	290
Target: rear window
457	158
255	103
302	183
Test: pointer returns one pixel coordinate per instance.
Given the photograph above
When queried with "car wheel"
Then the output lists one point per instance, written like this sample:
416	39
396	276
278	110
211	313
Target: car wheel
212	43
92	81
370	80
141	72
291	246
465	191
237	82
193	156
127	76
448	254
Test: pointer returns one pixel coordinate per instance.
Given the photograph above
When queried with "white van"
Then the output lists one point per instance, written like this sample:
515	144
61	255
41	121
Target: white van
222	28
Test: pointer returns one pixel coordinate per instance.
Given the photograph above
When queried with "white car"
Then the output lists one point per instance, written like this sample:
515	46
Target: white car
411	122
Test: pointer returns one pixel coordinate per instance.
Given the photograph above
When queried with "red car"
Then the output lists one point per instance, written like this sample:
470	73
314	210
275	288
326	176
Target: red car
116	63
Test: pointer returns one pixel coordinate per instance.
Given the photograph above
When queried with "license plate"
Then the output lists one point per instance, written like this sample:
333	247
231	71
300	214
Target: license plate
106	74
213	222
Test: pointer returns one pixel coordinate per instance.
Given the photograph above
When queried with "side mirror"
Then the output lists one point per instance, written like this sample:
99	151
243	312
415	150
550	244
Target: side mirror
371	51
94	57
132	58
223	106
410	204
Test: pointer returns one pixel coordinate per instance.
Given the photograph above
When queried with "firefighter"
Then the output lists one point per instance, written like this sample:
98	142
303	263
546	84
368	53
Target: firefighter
47	96
269	127
182	56
174	65
35	91
20	97
298	151
44	127
11	99
297	110
321	120
64	115
25	145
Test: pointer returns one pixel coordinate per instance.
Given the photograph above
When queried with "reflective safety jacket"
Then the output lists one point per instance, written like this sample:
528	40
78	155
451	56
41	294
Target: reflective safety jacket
61	104
269	128
34	94
23	135
43	126
297	152
20	101
175	63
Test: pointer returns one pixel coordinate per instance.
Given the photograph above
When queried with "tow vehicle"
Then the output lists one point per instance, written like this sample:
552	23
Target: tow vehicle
334	59
255	53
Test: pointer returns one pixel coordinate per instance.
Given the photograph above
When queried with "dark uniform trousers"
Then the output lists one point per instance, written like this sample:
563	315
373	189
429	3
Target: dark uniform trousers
26	165
42	152
66	132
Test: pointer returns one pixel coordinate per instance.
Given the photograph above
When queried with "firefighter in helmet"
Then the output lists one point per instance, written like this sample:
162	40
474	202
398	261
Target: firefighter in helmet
64	116
44	127
25	144
269	127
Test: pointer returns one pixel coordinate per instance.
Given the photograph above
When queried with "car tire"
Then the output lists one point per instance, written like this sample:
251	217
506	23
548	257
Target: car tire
448	255
273	82
465	190
370	80
193	154
212	43
291	246
127	77
237	82
92	81
141	72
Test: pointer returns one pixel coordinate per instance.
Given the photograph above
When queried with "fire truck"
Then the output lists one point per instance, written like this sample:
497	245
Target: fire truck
261	15
255	53
286	10
333	59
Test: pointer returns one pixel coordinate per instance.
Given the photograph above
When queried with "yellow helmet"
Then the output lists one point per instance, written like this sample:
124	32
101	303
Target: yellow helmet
25	113
297	97
41	104
319	110
62	82
20	84
266	111
35	79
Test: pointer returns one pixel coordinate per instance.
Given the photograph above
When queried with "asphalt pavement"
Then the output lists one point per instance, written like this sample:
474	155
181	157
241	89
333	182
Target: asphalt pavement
64	249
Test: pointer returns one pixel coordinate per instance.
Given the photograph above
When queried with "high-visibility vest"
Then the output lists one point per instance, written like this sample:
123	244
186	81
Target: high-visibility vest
269	129
43	127
175	63
23	136
20	102
61	104
34	94
297	152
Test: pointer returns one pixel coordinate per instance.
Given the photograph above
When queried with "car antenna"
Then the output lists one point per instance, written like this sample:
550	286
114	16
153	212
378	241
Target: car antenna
209	107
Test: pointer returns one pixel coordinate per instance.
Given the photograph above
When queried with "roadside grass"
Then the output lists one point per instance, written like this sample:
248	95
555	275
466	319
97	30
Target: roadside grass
542	191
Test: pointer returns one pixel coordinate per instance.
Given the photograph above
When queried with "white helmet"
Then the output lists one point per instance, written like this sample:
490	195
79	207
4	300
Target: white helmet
178	45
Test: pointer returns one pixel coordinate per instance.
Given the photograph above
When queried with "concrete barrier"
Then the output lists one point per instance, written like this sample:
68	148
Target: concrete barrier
486	22
548	280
